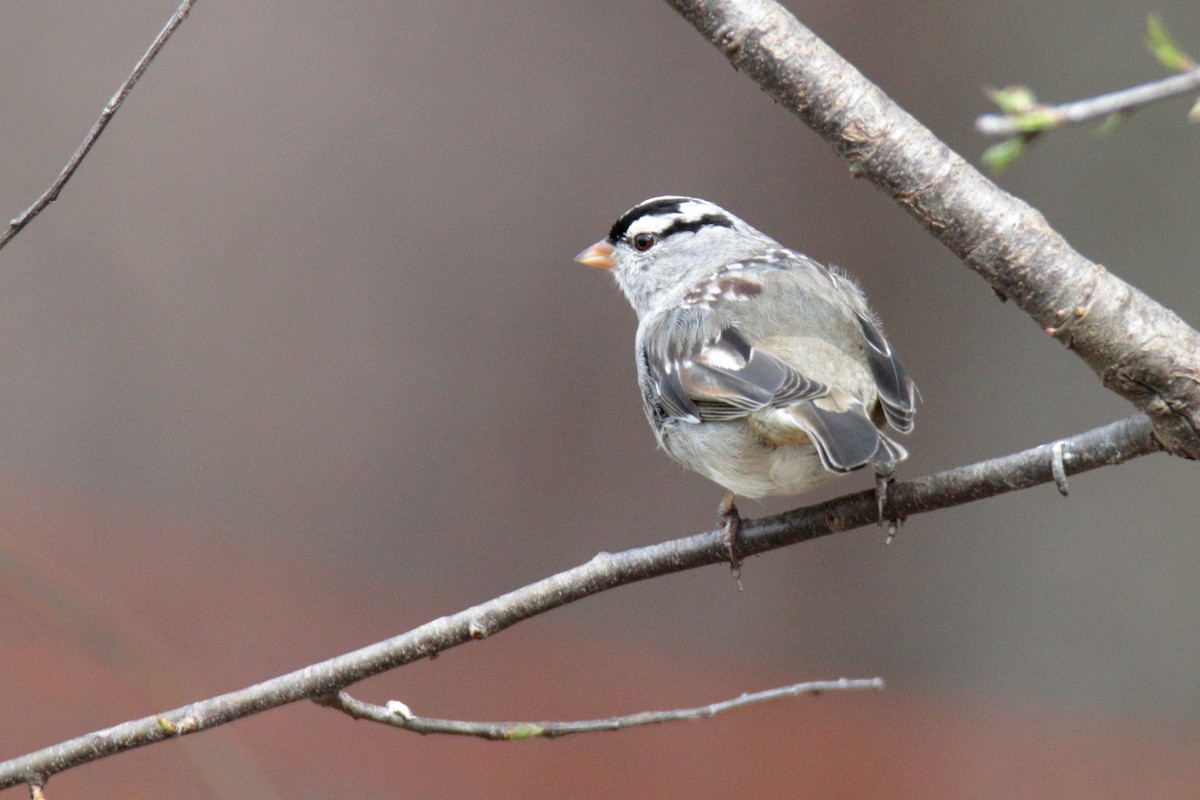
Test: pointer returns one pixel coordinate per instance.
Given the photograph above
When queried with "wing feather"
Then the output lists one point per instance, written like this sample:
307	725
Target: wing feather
896	390
702	370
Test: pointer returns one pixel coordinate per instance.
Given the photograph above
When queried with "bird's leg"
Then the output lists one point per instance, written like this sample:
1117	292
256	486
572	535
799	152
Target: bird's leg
730	522
883	476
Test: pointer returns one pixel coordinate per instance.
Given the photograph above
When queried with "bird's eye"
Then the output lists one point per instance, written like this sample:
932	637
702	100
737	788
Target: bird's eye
644	241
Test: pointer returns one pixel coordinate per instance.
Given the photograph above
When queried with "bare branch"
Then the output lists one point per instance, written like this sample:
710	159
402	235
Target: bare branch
1112	444
1041	117
397	714
1139	349
106	115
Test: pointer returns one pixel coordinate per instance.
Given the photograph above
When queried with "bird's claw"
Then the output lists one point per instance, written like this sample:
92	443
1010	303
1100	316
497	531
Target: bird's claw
883	476
729	521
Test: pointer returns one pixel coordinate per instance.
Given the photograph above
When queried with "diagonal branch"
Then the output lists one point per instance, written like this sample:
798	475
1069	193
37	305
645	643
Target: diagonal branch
106	115
398	715
1111	444
1139	349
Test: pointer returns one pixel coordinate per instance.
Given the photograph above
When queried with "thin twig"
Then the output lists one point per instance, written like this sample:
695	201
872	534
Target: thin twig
1111	444
398	715
106	115
1050	117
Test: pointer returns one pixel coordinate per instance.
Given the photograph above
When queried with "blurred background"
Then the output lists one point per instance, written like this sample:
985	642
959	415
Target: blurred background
300	360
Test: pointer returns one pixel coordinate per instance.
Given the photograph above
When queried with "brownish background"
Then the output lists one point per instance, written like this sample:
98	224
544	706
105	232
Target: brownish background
300	360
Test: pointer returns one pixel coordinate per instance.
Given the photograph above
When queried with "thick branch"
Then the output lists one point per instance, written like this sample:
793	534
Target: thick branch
397	715
106	115
1138	348
1111	444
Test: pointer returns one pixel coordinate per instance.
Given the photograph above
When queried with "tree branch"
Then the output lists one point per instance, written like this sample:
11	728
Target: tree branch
1139	349
106	115
1040	117
398	715
1111	444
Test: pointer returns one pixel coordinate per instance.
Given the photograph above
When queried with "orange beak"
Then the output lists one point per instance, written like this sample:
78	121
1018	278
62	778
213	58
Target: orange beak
598	255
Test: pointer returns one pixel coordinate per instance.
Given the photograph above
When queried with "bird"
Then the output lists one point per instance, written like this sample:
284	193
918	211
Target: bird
759	368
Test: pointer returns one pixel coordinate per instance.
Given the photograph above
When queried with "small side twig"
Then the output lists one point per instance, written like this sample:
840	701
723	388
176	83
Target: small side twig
398	715
1058	468
50	195
1024	118
1039	117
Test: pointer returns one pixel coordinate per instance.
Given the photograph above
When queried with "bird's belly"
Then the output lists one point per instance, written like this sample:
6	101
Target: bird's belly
732	455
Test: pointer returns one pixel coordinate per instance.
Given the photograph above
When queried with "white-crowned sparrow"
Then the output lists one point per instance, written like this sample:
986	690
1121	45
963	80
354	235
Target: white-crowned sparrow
759	368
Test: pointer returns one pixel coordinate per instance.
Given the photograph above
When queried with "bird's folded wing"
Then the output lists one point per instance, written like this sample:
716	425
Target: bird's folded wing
896	390
703	370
